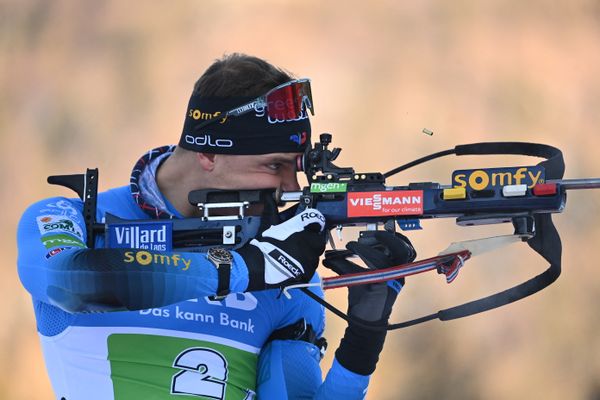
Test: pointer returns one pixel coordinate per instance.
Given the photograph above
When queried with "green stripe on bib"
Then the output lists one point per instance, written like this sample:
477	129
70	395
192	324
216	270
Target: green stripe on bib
159	367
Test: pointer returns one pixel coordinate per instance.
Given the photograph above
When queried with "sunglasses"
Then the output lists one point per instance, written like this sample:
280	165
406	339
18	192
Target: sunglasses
286	102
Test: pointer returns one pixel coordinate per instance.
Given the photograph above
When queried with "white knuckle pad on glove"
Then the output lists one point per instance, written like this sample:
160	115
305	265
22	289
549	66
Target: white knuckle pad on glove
295	224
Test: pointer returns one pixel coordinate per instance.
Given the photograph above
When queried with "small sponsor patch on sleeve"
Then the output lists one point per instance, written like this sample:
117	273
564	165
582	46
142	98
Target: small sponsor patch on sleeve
58	224
61	240
55	251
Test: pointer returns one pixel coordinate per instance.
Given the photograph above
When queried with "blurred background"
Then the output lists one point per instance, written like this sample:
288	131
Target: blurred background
97	83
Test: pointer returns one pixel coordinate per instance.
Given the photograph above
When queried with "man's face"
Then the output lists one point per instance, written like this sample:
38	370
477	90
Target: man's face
265	171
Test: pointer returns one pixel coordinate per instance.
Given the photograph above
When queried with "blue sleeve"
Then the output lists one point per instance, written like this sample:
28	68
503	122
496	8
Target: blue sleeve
55	266
290	369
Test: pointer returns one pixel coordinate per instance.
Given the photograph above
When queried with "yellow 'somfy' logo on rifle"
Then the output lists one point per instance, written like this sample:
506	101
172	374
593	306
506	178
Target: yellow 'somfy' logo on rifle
482	179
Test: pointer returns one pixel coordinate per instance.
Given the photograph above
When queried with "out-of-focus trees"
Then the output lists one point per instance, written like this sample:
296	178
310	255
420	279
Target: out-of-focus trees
95	84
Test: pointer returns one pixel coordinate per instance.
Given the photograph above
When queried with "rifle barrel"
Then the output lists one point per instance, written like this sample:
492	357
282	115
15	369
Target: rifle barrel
571	184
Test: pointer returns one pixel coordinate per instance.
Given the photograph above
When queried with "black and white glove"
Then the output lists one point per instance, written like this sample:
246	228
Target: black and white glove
287	252
360	347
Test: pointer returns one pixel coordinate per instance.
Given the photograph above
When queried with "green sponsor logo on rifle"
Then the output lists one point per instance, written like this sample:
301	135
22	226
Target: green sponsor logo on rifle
330	187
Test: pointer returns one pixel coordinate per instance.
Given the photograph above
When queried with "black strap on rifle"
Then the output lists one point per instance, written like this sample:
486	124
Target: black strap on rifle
546	241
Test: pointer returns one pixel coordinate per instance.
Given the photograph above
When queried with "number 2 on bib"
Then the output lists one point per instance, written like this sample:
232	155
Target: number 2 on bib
204	373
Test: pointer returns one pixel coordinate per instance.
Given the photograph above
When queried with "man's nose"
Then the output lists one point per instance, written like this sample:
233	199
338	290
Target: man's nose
289	183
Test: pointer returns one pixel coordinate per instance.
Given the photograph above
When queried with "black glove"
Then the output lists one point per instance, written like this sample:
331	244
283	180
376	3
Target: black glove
359	349
285	253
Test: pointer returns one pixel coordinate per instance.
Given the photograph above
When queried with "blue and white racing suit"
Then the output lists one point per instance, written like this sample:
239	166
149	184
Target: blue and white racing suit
178	343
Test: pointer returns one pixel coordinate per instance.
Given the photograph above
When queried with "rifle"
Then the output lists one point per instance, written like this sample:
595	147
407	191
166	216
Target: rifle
524	196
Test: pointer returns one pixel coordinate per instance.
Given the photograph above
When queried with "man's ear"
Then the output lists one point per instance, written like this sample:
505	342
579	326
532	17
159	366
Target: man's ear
207	161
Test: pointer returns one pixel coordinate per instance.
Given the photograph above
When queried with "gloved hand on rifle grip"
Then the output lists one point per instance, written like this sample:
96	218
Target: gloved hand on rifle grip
378	250
359	349
285	253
